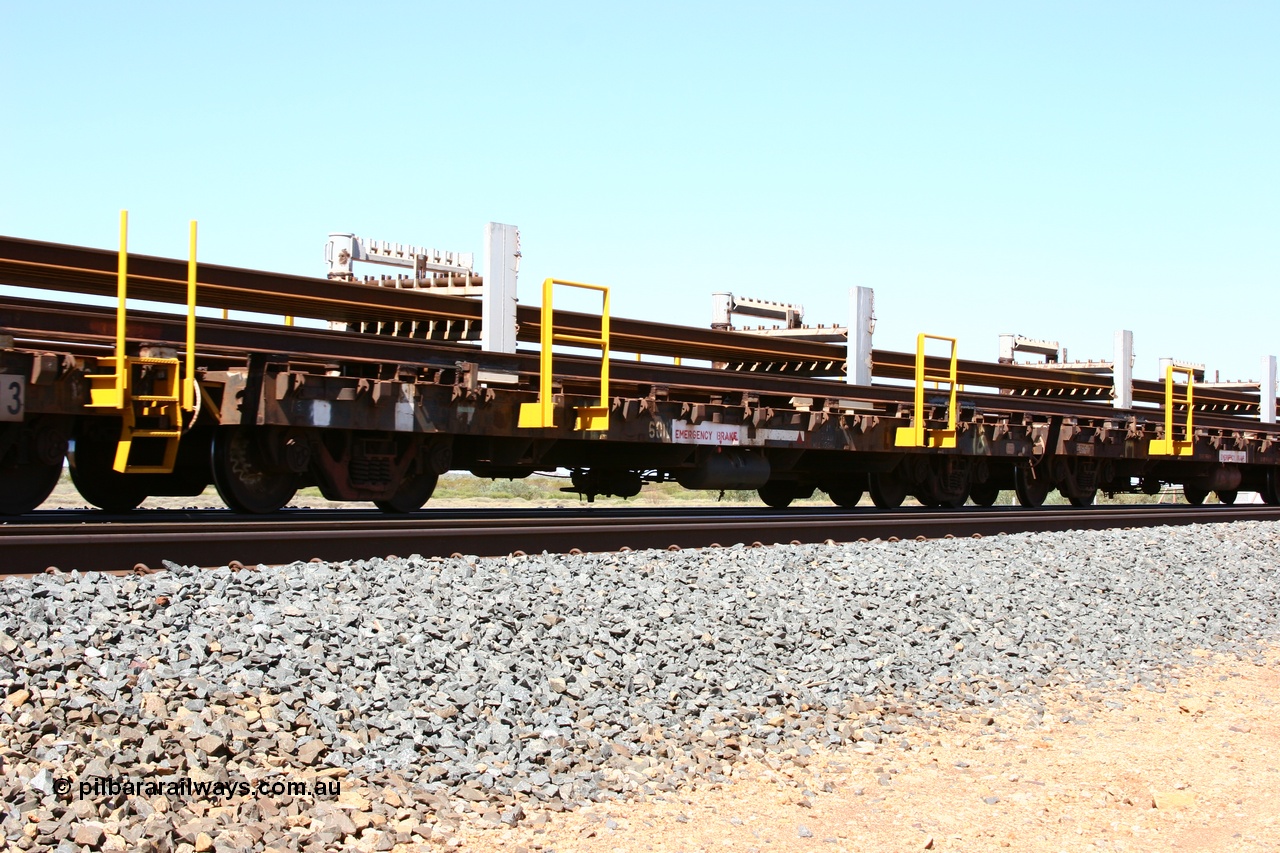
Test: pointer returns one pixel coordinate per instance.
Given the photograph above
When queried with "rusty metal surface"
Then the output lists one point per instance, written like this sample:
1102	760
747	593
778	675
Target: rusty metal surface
31	546
79	269
223	342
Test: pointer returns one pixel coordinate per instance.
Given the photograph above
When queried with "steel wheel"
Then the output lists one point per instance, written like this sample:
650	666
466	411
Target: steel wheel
1031	490
1195	496
1271	487
984	494
888	490
24	486
845	495
91	458
412	494
242	476
1228	497
777	495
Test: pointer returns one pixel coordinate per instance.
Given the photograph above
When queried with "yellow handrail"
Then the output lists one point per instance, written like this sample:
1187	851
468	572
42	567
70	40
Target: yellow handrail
122	292
1167	446
189	383
542	413
168	396
916	435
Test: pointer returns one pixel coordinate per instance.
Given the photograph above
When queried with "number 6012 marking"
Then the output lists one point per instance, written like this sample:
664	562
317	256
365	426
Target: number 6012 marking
13	397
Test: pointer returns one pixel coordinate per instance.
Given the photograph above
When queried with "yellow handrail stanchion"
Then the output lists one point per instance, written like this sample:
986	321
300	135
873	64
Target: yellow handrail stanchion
542	413
189	384
122	292
1167	446
111	390
916	435
165	397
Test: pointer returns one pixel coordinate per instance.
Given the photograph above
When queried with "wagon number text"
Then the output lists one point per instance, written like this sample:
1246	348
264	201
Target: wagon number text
13	396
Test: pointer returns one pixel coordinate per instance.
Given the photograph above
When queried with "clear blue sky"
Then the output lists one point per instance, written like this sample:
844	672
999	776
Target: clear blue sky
1059	170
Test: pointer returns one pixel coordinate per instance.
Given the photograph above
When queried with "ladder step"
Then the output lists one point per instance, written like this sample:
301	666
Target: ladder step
155	398
155	433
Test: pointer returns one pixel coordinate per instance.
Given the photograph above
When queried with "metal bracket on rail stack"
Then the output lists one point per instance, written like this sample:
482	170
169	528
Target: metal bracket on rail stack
448	273
724	305
343	250
166	403
1011	344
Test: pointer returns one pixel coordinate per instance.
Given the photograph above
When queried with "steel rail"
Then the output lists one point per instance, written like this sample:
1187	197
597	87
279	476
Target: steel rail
79	269
26	548
227	340
54	266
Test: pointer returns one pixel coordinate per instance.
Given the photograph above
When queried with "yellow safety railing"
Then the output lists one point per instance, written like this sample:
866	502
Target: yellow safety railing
114	390
542	413
189	384
916	435
1167	446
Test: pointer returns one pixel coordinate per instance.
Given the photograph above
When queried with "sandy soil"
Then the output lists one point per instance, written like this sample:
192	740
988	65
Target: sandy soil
1196	767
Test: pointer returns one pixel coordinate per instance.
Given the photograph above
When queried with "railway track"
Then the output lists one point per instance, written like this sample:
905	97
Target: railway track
71	541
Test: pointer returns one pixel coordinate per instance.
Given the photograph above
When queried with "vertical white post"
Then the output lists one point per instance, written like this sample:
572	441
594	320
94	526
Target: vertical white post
1267	391
862	323
722	311
1122	370
501	268
339	252
1007	343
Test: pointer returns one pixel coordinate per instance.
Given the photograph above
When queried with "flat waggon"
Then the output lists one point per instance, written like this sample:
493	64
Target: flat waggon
441	370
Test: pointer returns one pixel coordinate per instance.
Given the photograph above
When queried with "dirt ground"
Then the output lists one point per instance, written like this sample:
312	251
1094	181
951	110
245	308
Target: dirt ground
1196	767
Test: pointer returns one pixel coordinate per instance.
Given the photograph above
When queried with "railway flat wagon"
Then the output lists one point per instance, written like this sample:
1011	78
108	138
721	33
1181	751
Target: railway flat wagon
438	368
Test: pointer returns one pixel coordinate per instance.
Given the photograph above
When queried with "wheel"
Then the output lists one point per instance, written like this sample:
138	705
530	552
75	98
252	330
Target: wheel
32	463
1271	487
412	494
1194	495
1031	490
888	490
845	495
91	458
242	476
1227	497
30	470
1083	500
984	494
26	485
777	495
